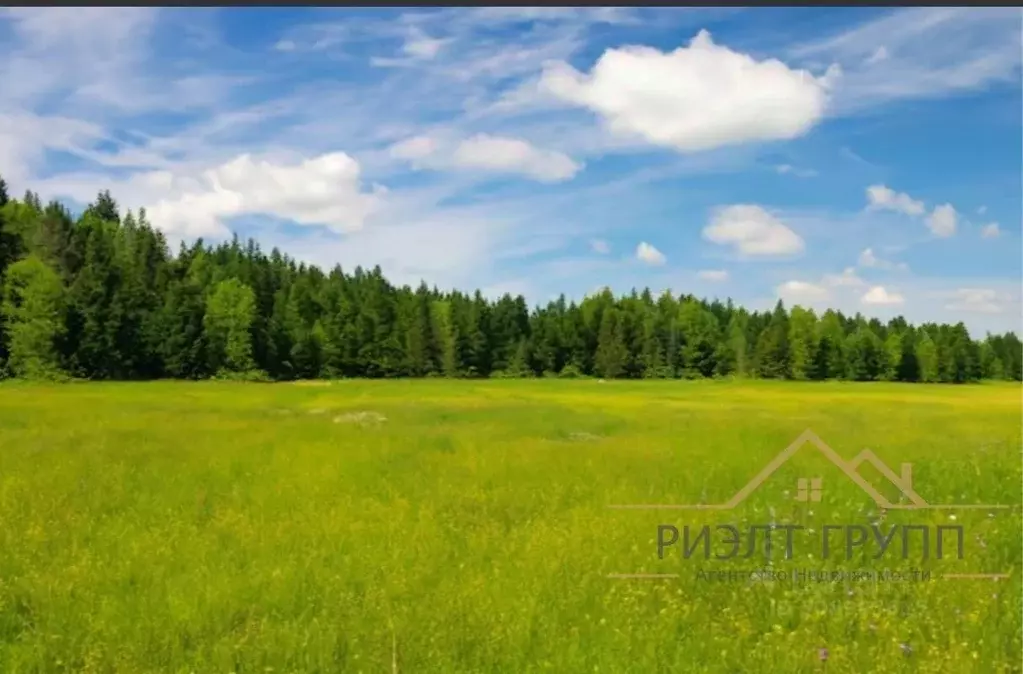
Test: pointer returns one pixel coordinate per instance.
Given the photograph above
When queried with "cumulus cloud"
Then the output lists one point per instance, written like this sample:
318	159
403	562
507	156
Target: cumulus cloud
869	259
977	300
752	231
483	152
834	289
881	197
600	246
694	98
713	275
324	190
942	220
802	293
990	231
649	255
847	279
515	156
879	296
415	148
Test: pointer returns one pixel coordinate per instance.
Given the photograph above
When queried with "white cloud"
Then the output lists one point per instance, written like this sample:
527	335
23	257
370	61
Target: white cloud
942	220
600	246
990	231
788	169
752	231
24	140
713	275
996	308
695	98
421	46
881	197
324	191
415	148
931	52
867	258
609	15
881	297
802	293
977	300
847	279
496	154
514	156
870	259
650	255
880	54
982	210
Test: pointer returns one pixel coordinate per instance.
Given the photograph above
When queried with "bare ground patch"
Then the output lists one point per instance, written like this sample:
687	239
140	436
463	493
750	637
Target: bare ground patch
362	418
583	436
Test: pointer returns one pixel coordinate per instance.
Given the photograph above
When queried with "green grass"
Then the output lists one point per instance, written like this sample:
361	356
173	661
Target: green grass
222	527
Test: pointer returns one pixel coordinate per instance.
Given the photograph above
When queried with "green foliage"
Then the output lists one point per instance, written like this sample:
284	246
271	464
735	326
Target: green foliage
230	310
246	375
927	358
571	371
32	308
132	310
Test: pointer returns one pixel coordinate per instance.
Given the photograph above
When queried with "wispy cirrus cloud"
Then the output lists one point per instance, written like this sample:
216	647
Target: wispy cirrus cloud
919	53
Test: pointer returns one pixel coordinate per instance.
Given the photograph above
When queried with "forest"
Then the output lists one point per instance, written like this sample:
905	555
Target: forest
100	296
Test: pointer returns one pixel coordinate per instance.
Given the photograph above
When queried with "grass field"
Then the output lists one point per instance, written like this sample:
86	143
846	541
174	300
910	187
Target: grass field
438	526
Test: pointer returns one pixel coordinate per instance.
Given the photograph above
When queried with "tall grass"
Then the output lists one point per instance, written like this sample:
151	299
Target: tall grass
464	527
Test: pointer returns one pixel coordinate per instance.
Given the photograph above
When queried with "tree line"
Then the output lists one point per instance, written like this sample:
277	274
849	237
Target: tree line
100	296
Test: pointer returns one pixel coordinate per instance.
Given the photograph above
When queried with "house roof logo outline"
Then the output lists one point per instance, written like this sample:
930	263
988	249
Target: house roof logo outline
903	483
850	468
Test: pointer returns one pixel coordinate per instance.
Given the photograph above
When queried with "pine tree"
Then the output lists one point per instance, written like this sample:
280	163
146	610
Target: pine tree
698	328
830	358
772	353
611	355
802	342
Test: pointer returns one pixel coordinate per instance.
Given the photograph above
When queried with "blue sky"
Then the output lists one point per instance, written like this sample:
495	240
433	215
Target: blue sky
859	158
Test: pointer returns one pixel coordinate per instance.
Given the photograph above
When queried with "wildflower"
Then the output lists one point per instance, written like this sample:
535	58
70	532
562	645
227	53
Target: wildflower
907	650
952	517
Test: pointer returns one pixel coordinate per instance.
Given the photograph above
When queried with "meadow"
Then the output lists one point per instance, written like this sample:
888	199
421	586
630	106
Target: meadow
464	526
